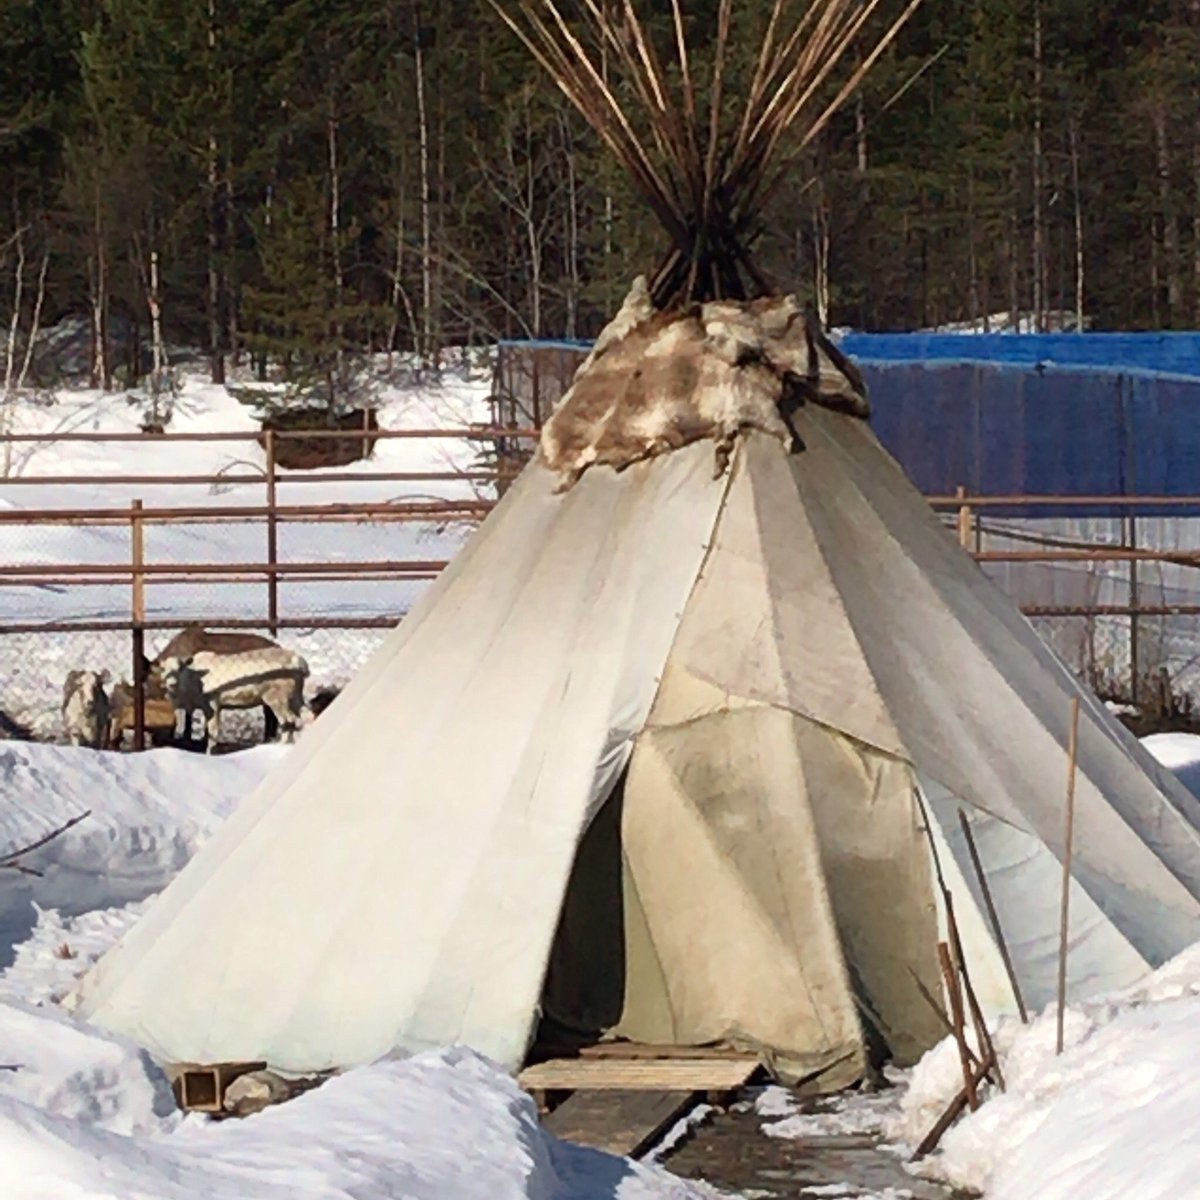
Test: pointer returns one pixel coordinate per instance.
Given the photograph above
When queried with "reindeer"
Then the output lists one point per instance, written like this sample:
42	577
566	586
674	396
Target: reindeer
194	638
272	677
85	708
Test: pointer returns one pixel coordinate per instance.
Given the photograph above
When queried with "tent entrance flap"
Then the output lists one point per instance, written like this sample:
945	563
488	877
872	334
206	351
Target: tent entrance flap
583	994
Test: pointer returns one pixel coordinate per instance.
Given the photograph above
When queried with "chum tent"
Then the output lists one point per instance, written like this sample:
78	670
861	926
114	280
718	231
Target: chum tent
678	746
668	757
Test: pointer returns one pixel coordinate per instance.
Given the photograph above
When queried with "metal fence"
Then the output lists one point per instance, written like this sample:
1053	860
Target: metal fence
103	587
1116	597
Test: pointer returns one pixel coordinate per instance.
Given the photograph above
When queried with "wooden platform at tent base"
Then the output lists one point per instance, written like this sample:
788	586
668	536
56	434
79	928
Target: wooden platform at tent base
621	1097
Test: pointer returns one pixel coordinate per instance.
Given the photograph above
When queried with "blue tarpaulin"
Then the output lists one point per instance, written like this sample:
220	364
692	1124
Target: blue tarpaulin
1006	430
1178	353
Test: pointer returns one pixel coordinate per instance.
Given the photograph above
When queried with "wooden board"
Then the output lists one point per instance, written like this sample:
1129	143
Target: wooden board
621	1122
642	1050
639	1074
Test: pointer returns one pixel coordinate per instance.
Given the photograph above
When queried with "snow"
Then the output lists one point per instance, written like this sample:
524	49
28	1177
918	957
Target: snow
149	813
847	1115
1180	752
87	1116
1108	1120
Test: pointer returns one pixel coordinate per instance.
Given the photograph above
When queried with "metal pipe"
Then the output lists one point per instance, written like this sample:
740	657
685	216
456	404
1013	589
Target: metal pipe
160	623
128	570
246	477
467	433
308	513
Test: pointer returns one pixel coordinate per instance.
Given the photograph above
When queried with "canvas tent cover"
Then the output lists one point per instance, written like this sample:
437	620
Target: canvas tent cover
785	678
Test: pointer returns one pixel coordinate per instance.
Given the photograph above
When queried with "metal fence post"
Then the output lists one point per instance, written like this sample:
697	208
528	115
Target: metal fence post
137	538
272	538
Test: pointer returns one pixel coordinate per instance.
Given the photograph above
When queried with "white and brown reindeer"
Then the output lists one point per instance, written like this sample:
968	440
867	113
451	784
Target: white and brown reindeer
269	676
85	708
194	638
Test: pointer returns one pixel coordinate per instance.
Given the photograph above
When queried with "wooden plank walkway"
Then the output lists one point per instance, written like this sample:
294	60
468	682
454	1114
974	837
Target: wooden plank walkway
624	1096
621	1122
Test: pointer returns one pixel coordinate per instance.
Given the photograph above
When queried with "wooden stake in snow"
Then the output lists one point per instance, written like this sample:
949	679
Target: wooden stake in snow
930	1141
1064	922
954	995
982	1034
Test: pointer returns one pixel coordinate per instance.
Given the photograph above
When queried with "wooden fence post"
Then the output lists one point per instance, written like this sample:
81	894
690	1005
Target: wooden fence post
272	538
137	537
964	518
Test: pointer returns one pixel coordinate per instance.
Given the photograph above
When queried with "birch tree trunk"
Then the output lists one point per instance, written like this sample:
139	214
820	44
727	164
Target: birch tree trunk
101	371
1169	217
398	293
821	256
1039	233
335	254
15	376
158	347
425	346
571	231
1077	202
215	204
10	350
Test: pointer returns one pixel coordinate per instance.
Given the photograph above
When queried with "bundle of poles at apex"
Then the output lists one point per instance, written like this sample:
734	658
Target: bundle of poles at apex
707	161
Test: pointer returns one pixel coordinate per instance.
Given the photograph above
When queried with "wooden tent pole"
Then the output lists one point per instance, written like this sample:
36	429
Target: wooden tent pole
993	916
1064	916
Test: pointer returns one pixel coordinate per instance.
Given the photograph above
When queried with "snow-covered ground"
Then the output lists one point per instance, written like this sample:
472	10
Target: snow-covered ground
85	1116
32	666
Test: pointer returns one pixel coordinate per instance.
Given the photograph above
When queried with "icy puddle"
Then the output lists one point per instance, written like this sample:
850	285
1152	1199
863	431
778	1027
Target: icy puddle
774	1147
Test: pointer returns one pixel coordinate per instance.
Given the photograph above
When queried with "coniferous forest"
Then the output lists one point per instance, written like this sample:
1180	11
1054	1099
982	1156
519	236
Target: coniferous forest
292	180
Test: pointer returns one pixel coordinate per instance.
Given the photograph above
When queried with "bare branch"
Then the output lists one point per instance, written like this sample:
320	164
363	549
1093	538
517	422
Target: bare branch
10	861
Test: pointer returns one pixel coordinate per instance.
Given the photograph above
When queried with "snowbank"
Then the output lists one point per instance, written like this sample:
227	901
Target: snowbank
87	1116
440	1125
1108	1120
149	813
66	1069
